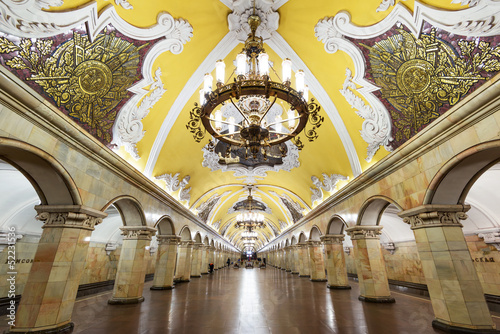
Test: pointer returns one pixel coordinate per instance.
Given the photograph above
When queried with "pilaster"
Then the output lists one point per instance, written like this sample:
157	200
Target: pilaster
196	260
304	270
183	268
316	263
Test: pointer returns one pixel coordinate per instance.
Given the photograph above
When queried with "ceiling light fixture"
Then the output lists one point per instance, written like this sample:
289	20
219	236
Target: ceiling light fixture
253	93
249	220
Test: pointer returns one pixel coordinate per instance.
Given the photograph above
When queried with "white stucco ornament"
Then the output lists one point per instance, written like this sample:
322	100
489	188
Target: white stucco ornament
237	20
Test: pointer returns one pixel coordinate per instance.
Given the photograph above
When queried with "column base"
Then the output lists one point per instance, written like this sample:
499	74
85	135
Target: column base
283	269
197	276
460	330
295	272
377	299
183	281
205	273
167	287
304	275
125	301
288	271
318	279
63	329
339	287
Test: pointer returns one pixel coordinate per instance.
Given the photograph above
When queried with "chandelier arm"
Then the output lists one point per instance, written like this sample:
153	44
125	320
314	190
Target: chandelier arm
281	133
272	104
226	135
239	110
213	120
284	120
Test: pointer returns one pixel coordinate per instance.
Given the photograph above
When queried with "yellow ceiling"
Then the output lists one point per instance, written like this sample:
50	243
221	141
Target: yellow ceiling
181	154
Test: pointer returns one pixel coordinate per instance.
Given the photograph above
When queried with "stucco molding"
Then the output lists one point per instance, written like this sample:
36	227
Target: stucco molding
172	184
328	184
237	20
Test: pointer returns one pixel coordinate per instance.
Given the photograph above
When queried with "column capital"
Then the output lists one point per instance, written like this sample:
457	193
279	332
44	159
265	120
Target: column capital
313	243
197	245
331	239
302	245
364	232
168	239
435	215
69	216
137	232
187	243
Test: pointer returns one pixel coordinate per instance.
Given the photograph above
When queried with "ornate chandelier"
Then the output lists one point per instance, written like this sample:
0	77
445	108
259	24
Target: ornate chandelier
249	220
253	94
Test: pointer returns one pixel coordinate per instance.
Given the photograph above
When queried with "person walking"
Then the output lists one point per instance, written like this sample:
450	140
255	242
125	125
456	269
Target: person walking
211	268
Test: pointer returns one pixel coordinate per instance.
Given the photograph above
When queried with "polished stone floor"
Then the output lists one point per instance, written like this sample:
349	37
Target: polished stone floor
253	301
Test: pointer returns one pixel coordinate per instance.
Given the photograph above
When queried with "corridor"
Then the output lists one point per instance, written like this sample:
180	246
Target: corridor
253	301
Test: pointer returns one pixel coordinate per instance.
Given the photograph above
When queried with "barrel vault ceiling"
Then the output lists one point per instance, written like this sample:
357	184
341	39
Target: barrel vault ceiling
149	127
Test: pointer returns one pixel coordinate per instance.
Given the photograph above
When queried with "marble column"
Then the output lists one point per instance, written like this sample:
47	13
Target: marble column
288	261
283	259
166	258
335	261
456	293
50	292
183	269
205	250
370	264
295	259
316	263
303	260
131	270
196	259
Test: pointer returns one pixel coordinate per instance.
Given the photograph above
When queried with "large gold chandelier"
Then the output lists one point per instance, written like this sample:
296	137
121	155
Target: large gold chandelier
253	93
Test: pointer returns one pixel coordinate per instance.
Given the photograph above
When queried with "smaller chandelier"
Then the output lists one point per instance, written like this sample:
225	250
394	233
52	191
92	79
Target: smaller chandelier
249	220
253	94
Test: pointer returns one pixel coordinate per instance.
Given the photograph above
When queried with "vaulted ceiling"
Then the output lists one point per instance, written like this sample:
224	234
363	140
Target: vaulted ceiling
157	142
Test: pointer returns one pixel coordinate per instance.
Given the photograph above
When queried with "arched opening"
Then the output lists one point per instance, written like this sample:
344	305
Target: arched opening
197	238
185	234
165	226
315	234
336	225
302	238
294	241
372	210
51	181
130	210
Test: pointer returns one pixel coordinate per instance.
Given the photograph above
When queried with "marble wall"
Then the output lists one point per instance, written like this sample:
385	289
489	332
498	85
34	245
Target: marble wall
487	262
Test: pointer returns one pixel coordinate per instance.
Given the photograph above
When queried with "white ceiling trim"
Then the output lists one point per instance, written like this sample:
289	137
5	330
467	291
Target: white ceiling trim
284	50
13	212
221	50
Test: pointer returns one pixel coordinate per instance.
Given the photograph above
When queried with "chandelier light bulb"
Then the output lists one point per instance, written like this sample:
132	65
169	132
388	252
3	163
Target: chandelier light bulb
287	70
202	97
220	71
291	121
218	119
264	64
207	83
299	80
231	126
241	64
305	94
278	125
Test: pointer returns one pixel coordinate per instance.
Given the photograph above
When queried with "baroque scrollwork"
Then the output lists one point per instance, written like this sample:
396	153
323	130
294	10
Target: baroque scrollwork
294	210
376	128
237	20
172	184
128	126
328	184
137	232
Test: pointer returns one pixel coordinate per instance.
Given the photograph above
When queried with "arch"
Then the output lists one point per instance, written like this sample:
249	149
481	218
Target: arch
51	181
287	243
336	225
130	210
197	238
372	210
294	241
302	237
315	233
165	226
185	234
212	243
454	179
206	241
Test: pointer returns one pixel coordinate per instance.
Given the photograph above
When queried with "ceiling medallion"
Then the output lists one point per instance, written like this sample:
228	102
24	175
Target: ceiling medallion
253	94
